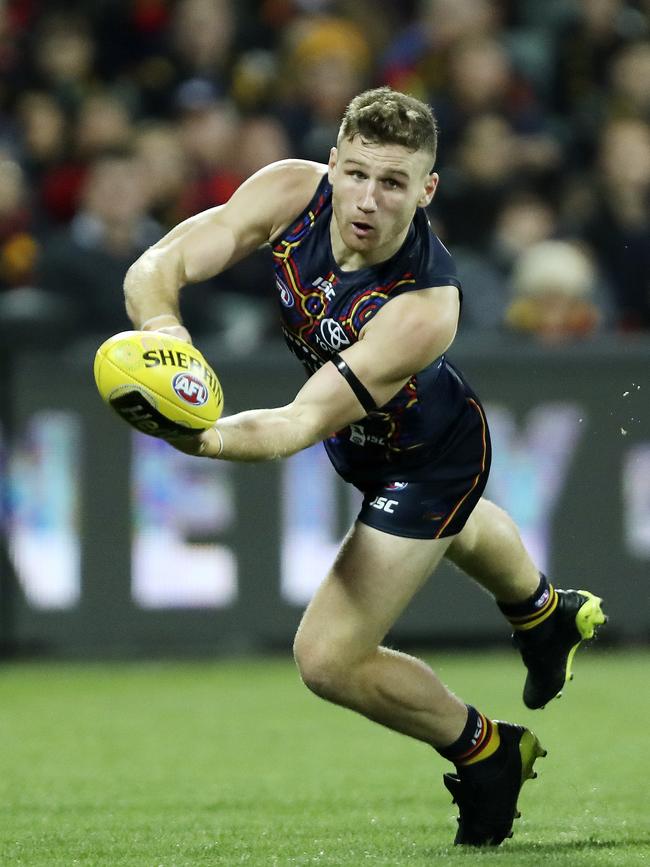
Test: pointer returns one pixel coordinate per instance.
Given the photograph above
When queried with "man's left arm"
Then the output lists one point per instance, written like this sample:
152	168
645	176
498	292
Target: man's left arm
404	337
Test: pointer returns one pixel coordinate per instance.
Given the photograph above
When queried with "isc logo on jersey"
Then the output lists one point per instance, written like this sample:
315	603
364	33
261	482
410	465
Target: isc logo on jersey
190	389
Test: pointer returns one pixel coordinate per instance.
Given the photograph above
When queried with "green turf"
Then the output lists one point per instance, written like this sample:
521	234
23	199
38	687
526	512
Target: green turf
235	762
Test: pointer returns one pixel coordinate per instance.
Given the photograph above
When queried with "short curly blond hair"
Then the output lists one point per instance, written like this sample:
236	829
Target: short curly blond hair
388	116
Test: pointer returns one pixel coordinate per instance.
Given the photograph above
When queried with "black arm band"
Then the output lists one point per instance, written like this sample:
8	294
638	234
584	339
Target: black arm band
361	392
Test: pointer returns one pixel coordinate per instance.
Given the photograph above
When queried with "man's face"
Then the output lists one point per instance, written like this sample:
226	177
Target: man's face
376	191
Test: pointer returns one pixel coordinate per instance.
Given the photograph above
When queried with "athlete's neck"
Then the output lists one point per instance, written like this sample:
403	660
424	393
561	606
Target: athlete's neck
354	260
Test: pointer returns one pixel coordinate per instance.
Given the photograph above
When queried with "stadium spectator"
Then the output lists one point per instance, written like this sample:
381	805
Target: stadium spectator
102	123
86	262
261	141
42	129
63	53
524	219
417	58
327	62
198	44
483	172
209	132
482	80
586	43
133	44
12	28
630	78
255	80
165	170
554	293
618	225
202	36
44	134
18	243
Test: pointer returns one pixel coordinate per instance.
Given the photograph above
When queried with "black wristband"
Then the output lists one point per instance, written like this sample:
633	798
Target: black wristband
361	392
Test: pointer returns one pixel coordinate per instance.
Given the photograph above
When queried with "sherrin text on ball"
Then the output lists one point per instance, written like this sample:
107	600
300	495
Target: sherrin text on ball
159	384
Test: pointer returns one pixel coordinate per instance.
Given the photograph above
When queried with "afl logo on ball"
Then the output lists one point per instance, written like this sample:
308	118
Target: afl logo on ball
190	389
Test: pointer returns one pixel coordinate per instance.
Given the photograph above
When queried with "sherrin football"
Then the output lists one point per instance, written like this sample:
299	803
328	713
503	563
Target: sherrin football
159	384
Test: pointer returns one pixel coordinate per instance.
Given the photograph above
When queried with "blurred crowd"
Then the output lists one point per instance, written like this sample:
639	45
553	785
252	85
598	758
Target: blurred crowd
119	118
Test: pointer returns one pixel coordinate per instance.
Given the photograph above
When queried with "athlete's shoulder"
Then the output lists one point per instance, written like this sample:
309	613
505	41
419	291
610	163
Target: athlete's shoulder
291	184
436	266
296	170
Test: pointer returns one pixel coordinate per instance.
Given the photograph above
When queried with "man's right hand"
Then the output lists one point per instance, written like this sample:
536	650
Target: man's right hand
175	331
167	323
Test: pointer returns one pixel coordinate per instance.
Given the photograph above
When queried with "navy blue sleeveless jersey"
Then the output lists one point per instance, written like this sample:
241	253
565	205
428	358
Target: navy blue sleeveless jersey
323	310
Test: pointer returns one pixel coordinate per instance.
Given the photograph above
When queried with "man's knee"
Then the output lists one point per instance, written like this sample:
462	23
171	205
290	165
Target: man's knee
323	668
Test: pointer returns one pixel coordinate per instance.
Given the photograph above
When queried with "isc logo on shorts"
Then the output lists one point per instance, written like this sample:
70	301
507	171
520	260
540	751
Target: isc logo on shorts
384	504
190	389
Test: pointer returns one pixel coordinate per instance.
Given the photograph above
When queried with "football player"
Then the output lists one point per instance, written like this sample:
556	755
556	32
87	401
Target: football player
370	303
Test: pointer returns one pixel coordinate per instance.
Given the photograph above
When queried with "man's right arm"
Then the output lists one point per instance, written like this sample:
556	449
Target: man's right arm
206	244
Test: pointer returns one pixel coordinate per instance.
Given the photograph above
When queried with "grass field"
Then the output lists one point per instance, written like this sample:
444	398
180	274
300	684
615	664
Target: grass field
227	763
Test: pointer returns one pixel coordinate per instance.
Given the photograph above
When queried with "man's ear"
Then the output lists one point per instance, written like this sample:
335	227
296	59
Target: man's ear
429	190
331	164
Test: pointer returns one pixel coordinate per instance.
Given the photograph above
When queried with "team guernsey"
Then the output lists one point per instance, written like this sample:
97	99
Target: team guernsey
433	430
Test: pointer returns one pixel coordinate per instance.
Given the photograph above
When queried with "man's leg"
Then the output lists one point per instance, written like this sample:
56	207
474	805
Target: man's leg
338	652
337	647
490	550
549	625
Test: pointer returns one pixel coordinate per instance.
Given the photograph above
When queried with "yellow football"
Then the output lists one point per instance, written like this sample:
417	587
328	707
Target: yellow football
157	383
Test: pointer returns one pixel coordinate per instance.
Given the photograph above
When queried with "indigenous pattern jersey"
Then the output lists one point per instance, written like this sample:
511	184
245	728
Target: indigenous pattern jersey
323	311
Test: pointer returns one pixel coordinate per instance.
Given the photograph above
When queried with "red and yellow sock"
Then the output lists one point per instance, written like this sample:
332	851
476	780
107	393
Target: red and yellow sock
478	741
534	610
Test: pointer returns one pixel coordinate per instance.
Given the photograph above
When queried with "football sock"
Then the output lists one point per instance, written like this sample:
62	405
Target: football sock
478	740
534	610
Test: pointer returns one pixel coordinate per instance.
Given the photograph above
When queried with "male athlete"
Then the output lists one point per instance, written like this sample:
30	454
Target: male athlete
370	303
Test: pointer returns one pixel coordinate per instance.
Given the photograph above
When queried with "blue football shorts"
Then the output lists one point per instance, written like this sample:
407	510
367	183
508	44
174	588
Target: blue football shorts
439	502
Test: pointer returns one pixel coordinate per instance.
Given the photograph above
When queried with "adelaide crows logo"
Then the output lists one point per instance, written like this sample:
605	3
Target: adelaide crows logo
285	295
